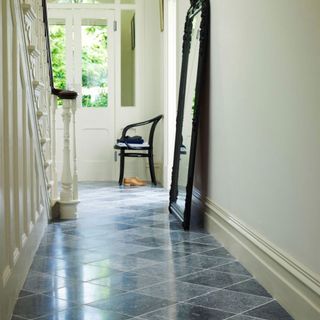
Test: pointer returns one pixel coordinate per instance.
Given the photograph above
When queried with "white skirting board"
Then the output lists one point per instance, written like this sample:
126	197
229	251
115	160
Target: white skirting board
295	287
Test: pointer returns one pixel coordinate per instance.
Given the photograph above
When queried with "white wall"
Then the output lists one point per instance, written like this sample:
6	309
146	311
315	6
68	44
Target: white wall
265	120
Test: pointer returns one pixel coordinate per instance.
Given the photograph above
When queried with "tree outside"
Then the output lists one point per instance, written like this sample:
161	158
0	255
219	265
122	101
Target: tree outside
94	63
58	56
94	66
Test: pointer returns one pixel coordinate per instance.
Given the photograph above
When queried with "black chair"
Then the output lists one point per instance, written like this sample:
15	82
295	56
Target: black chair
145	150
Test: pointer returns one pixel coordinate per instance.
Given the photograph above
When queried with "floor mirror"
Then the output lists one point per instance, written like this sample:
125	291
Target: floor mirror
193	59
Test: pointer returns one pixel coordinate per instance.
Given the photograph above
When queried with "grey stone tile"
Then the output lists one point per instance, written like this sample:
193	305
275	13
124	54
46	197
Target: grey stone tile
85	313
47	264
213	278
172	225
185	236
85	272
38	282
191	247
184	311
123	263
57	251
38	305
251	287
87	257
127	281
98	230
219	252
229	301
84	292
235	268
203	262
270	311
159	254
176	290
210	240
17	318
133	304
120	248
24	293
242	317
154	242
167	269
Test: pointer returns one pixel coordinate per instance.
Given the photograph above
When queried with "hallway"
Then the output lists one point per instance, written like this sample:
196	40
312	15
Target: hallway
125	258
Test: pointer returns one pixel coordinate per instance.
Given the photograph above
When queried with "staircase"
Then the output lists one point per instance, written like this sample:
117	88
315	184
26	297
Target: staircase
28	177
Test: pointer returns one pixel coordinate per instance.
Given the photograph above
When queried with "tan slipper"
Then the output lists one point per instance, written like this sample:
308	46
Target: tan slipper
133	182
137	179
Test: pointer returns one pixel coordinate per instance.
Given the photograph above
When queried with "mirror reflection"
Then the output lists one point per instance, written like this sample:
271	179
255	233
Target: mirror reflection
188	111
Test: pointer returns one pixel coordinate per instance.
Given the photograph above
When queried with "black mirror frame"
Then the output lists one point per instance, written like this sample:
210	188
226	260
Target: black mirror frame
197	7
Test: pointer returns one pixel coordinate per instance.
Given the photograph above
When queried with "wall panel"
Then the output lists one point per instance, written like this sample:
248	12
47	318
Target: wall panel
23	191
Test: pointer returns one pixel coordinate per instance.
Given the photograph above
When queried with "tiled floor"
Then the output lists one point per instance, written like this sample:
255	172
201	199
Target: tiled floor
126	258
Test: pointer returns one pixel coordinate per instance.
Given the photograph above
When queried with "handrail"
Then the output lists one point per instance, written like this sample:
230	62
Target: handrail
47	35
61	93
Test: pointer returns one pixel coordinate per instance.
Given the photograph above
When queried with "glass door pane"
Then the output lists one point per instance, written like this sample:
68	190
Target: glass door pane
94	59
57	30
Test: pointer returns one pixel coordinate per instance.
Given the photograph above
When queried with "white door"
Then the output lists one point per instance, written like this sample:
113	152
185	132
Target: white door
89	69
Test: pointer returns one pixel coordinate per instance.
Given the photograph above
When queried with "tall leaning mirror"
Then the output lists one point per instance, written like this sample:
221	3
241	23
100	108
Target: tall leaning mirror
193	57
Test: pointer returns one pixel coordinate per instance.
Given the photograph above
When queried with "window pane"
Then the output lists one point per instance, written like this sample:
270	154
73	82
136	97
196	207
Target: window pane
128	1
94	63
128	48
58	53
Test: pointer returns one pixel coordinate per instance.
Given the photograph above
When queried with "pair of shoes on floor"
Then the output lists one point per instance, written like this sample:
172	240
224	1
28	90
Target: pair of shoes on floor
134	182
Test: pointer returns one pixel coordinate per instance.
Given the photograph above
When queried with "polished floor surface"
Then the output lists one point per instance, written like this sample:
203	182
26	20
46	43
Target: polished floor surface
126	258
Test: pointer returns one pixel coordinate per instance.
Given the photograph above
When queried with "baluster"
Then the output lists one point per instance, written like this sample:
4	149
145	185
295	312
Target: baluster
54	146
75	169
68	206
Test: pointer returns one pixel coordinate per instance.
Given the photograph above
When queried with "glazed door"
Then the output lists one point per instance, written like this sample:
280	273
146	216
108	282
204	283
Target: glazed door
88	50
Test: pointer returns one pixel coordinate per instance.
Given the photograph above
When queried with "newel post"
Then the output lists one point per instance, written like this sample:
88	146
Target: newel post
75	168
54	146
68	204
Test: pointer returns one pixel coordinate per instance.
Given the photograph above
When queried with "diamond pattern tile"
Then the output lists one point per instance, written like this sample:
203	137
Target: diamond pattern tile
127	258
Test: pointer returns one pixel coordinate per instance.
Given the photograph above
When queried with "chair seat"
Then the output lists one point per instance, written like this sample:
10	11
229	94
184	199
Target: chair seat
135	146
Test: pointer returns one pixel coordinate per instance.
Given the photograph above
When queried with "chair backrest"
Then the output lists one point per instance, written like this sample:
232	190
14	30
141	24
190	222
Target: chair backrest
154	122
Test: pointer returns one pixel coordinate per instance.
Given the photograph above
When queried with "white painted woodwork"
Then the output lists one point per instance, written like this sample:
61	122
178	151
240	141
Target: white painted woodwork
54	144
74	148
25	144
68	205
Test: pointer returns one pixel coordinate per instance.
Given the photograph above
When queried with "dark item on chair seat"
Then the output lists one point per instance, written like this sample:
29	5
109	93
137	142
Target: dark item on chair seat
134	139
146	149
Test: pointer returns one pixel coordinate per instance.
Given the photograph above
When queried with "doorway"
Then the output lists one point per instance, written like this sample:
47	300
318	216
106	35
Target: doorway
84	61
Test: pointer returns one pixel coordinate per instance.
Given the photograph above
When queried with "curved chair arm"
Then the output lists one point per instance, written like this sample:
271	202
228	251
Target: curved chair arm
139	124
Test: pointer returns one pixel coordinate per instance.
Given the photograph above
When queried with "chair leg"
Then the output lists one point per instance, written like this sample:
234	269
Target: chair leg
152	173
121	168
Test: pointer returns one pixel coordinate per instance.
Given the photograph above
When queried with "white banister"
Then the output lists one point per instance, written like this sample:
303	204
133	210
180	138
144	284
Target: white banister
54	104
75	168
68	205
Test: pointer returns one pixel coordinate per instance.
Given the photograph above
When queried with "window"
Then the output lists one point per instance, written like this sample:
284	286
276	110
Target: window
94	38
